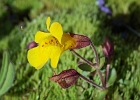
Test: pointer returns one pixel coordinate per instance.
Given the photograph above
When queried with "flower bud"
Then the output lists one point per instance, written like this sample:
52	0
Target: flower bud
81	40
31	45
108	48
66	78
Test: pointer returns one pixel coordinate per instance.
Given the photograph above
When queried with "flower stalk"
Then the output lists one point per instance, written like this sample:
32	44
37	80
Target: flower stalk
86	61
107	70
91	82
97	61
96	54
94	65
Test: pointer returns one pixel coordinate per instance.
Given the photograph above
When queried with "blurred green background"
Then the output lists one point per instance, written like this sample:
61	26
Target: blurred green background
20	20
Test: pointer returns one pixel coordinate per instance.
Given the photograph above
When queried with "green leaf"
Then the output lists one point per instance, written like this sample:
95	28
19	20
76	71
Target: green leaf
8	79
4	67
85	67
116	95
112	77
102	61
100	94
7	74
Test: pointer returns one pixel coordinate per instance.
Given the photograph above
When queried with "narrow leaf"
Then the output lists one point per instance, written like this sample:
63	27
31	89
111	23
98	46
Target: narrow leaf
84	66
112	77
4	68
102	61
8	79
100	94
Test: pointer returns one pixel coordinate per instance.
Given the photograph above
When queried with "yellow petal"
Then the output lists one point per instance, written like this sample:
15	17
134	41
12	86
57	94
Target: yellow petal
38	57
48	21
41	36
68	41
56	31
55	55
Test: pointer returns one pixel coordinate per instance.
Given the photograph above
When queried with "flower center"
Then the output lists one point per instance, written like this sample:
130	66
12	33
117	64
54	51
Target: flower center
50	41
67	43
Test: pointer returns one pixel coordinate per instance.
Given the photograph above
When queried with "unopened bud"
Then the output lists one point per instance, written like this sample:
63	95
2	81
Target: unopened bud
31	45
66	78
81	40
108	48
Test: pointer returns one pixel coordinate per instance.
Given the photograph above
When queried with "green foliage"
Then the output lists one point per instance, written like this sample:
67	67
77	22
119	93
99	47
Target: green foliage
85	67
7	74
85	18
100	94
112	78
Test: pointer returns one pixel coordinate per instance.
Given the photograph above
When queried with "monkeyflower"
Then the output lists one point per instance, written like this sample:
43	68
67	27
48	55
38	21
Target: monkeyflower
51	44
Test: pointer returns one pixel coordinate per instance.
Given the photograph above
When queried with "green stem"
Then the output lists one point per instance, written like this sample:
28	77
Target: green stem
79	56
97	61
95	65
96	54
128	27
91	82
107	71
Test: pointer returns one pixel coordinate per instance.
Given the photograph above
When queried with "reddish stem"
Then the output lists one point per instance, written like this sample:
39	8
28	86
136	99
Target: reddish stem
97	61
88	62
107	71
91	82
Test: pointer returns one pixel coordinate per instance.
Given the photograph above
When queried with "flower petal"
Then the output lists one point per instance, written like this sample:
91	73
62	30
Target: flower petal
55	55
37	57
48	21
56	31
68	41
41	36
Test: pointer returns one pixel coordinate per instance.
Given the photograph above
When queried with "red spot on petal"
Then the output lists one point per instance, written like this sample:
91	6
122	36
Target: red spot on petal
56	42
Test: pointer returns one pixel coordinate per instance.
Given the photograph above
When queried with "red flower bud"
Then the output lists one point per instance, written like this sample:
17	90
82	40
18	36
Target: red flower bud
81	40
108	48
66	78
31	45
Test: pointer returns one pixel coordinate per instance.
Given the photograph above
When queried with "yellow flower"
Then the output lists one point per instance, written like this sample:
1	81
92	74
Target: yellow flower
50	45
